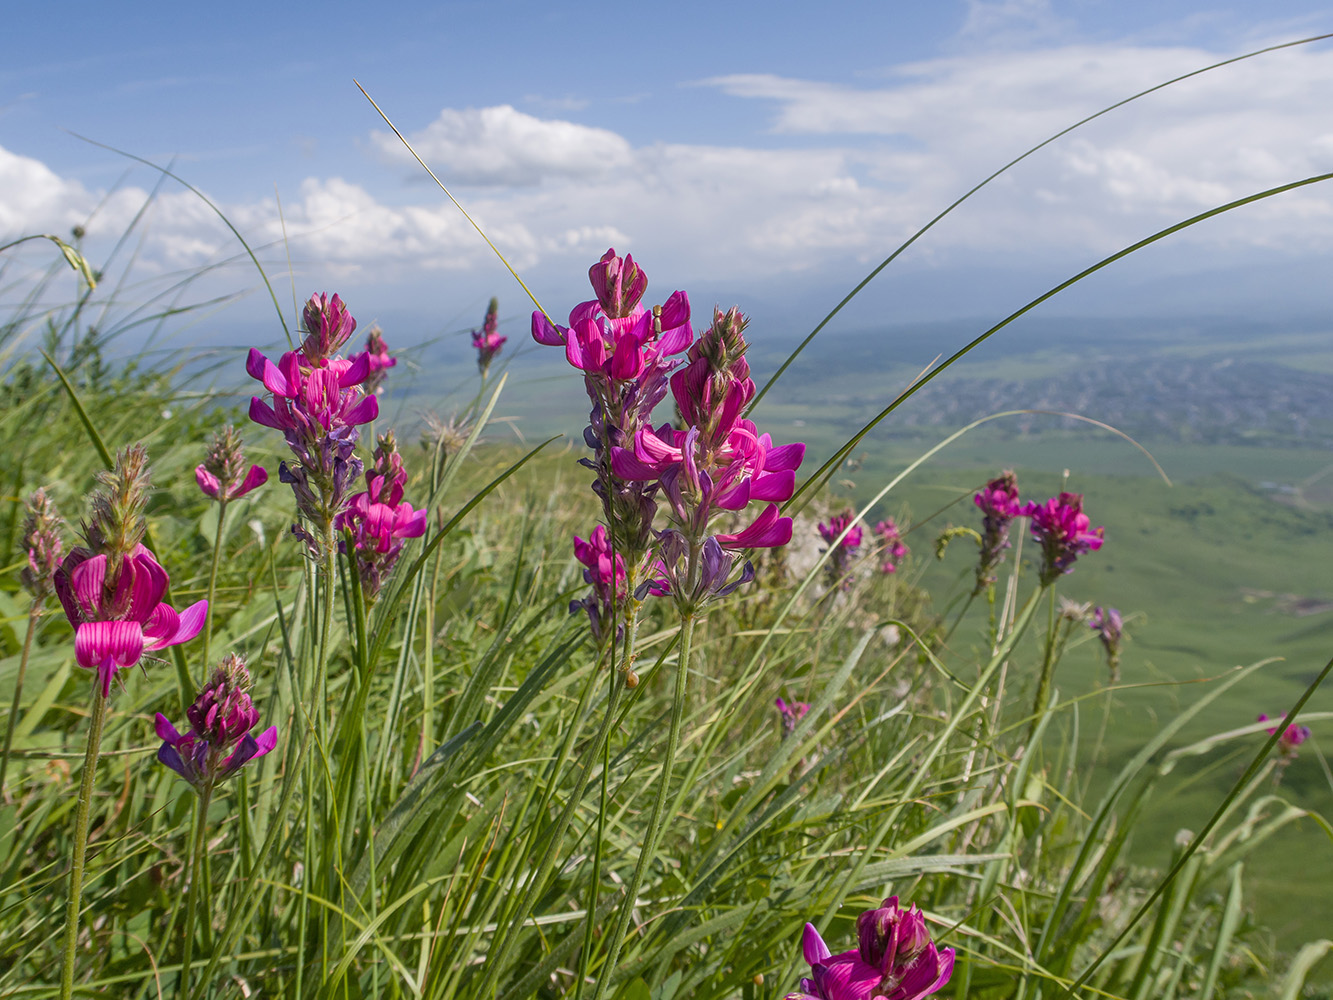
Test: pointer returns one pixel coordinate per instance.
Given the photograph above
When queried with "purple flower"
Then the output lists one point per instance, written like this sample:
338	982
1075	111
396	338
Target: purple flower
1110	630
377	353
380	520
891	545
790	714
895	960
118	615
328	327
837	524
1292	737
487	340
1063	531
618	284
219	741
840	558
222	475
999	505
41	537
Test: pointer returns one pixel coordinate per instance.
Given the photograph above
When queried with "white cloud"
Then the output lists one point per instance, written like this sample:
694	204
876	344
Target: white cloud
856	172
502	146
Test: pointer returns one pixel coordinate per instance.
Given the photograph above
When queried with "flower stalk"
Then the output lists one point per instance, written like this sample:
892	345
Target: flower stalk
80	849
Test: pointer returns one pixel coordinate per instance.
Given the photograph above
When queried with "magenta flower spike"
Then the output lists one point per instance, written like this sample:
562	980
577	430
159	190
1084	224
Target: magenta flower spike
219	742
328	325
380	520
999	505
837	524
1110	629
790	714
487	341
377	354
1063	531
618	284
893	550
221	474
41	539
1292	737
895	960
119	616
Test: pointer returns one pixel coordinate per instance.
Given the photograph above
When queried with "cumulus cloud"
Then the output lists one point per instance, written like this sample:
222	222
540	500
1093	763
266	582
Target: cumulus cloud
852	172
505	147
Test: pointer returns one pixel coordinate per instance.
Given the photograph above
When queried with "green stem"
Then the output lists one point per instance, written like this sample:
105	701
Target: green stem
34	612
1047	670
81	842
196	863
213	582
655	821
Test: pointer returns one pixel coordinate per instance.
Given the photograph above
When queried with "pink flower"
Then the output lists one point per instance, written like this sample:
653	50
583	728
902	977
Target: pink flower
891	545
618	284
379	519
377	353
791	714
487	340
329	326
837	524
117	617
895	960
219	742
309	403
220	475
999	505
1292	737
1063	531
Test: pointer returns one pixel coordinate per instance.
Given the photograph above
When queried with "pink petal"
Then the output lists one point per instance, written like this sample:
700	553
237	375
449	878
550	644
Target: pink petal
165	730
262	413
148	585
813	946
676	314
546	332
207	481
356	373
88	580
364	412
97	642
256	477
266	741
267	372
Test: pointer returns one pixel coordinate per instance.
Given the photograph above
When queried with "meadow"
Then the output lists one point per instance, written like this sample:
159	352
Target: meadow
659	712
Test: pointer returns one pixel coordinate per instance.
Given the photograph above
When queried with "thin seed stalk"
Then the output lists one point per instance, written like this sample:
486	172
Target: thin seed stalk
81	816
655	821
196	863
34	612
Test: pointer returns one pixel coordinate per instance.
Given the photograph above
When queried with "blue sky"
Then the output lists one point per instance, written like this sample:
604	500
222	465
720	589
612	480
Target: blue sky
769	151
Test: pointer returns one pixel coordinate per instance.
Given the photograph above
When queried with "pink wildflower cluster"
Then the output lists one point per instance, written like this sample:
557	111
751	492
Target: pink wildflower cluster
487	340
222	475
1064	533
895	959
380	520
790	713
713	468
999	506
1292	737
41	539
1058	525
1110	629
219	742
843	552
317	401
893	550
604	571
377	352
112	588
